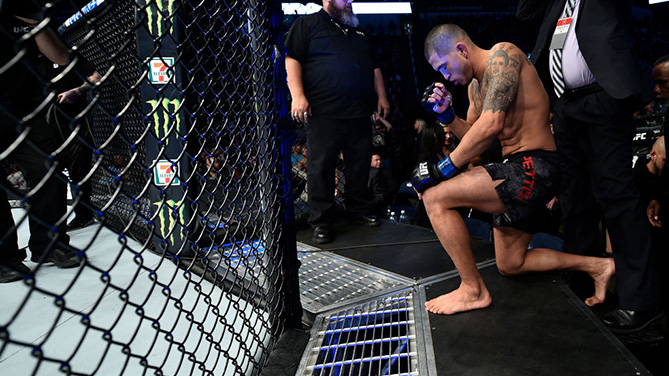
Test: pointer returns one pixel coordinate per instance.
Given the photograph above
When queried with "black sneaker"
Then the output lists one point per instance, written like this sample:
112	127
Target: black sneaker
11	273
62	258
369	220
79	222
322	235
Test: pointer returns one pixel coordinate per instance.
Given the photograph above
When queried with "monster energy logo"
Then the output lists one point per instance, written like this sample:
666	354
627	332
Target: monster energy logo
156	11
171	213
162	115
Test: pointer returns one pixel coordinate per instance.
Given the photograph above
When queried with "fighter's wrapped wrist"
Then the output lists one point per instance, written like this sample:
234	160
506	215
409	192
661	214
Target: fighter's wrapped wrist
447	168
447	117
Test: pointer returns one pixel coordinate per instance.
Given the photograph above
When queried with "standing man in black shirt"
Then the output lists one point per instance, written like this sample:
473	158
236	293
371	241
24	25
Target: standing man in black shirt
336	85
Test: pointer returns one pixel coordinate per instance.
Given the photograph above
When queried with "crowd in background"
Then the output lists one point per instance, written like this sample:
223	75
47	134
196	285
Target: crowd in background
401	143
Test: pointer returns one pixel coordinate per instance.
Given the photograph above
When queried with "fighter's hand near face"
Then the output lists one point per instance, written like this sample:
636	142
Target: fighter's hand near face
436	99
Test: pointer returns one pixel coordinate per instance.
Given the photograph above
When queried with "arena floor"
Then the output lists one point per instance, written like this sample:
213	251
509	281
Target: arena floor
537	324
105	331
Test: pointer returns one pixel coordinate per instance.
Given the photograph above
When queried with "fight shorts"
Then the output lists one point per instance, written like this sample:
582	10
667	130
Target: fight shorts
530	181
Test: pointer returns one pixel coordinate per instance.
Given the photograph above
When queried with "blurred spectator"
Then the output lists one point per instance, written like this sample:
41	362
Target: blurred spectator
432	144
658	208
383	139
299	168
648	174
378	184
449	140
431	150
340	183
655	211
296	155
419	126
660	78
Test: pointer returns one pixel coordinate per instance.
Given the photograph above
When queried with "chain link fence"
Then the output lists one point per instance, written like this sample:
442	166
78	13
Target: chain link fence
162	119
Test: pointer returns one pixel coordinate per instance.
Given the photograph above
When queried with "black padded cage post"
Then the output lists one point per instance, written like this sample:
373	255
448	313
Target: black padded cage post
162	97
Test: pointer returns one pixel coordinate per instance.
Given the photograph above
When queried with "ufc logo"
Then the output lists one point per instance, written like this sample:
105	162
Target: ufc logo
422	168
22	29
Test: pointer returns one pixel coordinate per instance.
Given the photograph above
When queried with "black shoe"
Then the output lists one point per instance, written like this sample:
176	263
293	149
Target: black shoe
627	321
370	220
11	273
79	222
322	235
62	258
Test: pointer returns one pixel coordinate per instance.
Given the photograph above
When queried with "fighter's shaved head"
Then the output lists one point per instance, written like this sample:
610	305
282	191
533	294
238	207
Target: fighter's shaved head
659	146
443	38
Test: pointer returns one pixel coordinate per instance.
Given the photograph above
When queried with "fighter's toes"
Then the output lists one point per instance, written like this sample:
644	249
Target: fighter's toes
594	300
457	301
602	280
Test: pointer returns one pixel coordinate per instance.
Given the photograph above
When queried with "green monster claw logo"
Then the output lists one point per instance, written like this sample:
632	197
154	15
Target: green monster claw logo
157	12
162	126
171	214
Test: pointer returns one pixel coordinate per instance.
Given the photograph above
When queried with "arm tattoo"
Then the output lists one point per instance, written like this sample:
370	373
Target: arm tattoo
502	76
477	99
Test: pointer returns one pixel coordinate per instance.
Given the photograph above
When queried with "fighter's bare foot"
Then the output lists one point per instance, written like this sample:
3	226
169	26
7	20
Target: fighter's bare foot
602	277
459	300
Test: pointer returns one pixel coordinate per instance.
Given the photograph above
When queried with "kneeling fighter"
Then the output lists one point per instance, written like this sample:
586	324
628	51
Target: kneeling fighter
508	102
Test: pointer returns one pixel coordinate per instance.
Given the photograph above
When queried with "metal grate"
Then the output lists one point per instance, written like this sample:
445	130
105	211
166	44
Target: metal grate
381	337
328	280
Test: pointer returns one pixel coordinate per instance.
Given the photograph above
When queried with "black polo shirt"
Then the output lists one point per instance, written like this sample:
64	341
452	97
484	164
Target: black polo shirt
338	65
20	90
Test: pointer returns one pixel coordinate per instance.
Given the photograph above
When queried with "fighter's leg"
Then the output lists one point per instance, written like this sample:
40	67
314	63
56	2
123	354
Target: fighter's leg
473	188
513	258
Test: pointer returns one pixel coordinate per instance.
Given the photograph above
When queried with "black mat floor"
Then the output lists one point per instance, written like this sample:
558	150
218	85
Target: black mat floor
351	234
410	251
537	325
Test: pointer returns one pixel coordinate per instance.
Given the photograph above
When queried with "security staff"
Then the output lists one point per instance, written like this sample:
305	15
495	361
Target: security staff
336	85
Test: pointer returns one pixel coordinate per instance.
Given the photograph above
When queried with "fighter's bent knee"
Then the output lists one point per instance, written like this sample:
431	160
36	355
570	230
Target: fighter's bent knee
509	268
429	196
435	200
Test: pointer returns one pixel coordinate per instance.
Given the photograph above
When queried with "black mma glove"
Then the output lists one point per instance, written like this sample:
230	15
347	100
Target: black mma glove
427	175
448	116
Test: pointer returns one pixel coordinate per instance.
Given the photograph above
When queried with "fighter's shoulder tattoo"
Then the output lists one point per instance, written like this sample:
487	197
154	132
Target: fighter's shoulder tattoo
502	76
476	95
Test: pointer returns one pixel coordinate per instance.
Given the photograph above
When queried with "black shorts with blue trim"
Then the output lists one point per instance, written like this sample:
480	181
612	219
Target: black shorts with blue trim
530	181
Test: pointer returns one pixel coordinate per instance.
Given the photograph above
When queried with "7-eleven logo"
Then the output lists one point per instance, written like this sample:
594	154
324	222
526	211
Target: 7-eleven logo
164	173
160	70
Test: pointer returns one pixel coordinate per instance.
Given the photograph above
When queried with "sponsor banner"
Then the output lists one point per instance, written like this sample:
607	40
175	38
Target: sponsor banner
165	173
160	70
